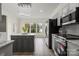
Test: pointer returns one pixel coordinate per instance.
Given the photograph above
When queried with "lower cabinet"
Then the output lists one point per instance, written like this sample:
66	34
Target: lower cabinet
6	50
72	49
23	43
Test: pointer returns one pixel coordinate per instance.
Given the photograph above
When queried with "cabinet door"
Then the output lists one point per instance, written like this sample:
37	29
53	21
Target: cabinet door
28	43
14	46
3	24
14	43
31	43
19	44
25	44
72	49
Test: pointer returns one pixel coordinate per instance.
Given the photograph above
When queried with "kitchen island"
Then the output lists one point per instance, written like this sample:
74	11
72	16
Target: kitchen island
23	42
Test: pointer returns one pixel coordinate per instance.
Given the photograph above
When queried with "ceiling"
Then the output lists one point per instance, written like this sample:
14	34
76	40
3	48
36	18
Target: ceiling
38	10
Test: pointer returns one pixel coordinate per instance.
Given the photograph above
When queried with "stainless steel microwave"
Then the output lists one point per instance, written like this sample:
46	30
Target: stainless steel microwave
71	18
66	19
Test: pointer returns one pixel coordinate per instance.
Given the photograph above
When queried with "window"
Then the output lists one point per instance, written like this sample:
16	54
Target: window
33	28
26	28
39	28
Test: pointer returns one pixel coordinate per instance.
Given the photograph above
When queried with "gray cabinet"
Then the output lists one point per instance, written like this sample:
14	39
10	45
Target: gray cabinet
28	43
72	48
19	44
2	21
23	43
3	24
6	48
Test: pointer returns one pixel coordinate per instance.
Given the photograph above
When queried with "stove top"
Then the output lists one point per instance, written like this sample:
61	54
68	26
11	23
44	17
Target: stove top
70	36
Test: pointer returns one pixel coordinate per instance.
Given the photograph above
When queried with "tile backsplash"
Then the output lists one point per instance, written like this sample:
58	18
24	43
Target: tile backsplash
3	36
72	29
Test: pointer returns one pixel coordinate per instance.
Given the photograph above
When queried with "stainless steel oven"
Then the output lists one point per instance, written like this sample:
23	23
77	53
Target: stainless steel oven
60	46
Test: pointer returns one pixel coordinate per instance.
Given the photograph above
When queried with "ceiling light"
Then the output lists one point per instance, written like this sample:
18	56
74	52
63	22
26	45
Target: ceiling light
41	10
23	14
28	5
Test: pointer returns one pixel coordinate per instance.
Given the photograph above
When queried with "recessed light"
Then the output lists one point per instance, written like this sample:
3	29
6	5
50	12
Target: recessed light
41	10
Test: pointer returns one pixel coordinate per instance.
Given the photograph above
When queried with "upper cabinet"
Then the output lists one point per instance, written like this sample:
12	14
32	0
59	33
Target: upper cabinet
65	10
72	7
3	24
2	21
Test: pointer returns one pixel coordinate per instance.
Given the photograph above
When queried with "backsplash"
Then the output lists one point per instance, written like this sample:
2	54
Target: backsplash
3	36
72	29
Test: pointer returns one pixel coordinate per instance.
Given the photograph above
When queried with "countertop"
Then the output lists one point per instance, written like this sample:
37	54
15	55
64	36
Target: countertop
24	34
5	43
69	36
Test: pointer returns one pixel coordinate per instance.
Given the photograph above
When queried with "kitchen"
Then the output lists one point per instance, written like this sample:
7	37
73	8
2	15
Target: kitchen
58	30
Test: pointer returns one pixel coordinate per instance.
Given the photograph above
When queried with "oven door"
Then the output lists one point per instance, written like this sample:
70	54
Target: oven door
60	48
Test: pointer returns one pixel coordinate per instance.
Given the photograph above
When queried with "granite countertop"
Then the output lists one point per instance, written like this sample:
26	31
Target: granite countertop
5	43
